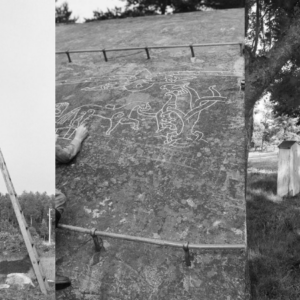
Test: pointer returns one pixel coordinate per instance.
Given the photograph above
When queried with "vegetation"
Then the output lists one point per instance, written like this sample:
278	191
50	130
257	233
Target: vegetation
63	14
35	207
273	229
138	8
285	90
273	41
273	226
270	129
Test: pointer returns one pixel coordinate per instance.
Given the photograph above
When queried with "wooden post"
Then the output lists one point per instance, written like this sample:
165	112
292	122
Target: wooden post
288	178
49	226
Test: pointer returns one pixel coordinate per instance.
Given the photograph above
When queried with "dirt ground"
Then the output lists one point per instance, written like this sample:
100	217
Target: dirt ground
15	259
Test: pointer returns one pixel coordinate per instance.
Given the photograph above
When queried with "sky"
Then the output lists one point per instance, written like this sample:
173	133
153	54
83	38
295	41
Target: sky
27	94
84	9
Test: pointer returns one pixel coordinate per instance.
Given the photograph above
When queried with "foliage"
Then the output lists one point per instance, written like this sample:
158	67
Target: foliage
285	92
272	55
220	4
117	13
179	6
263	126
35	206
139	8
270	128
152	5
267	22
287	128
63	14
33	231
44	229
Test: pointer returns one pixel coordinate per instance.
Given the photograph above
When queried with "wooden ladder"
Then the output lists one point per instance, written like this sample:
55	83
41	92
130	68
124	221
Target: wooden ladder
24	228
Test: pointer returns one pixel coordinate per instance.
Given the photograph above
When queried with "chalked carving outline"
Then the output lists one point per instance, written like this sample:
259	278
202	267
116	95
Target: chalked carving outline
116	115
175	120
167	115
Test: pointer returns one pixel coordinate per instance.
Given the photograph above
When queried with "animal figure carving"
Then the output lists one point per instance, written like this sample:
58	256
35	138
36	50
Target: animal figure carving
177	125
66	124
175	121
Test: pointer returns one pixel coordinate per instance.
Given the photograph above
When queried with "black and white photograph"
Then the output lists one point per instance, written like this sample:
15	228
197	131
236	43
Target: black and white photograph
150	149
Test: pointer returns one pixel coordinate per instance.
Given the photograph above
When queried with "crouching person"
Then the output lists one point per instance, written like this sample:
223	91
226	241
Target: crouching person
64	156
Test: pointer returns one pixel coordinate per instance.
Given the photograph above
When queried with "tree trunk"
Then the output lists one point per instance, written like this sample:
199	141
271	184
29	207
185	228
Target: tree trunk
257	26
163	7
261	71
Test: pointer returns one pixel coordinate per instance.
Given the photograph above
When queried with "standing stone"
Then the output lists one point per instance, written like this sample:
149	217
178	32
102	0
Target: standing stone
288	178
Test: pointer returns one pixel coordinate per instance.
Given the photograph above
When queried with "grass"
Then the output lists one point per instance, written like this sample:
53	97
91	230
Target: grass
266	162
273	228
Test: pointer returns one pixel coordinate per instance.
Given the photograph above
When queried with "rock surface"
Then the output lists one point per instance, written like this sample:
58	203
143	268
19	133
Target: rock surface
164	159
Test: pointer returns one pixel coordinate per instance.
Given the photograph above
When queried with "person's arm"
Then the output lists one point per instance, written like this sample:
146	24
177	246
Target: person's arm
66	154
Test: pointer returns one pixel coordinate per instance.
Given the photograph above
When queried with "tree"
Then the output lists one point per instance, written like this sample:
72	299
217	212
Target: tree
273	39
179	6
30	206
286	129
271	129
114	13
263	123
221	4
285	91
149	5
6	212
138	8
44	229
63	14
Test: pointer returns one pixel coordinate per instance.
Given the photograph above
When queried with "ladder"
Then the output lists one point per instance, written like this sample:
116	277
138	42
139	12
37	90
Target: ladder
24	228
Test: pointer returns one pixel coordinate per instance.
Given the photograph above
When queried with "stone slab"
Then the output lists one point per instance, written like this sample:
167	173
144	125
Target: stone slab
164	159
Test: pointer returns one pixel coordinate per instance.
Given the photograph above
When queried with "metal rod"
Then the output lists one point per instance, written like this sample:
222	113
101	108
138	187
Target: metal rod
104	54
69	57
147	52
241	49
192	50
125	49
97	244
150	47
187	255
154	241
